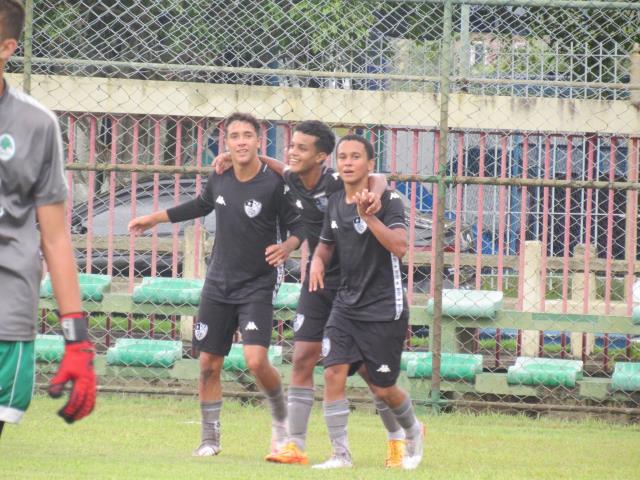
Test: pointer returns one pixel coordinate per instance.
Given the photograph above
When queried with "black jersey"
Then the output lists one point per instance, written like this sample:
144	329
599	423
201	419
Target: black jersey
312	205
248	218
370	284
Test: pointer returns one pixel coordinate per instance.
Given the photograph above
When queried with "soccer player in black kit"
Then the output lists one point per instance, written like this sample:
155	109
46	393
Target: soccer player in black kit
250	203
311	183
369	318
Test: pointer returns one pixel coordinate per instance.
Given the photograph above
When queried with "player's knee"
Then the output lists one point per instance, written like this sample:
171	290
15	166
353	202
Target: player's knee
255	363
383	393
210	368
209	373
333	375
304	363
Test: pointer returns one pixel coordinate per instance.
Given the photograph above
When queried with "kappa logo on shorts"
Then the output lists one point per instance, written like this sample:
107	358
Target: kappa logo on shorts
252	208
384	368
297	323
7	147
326	346
201	330
360	225
251	326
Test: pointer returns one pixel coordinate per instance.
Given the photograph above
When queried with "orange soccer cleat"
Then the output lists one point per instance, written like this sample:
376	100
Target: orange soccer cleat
290	453
395	453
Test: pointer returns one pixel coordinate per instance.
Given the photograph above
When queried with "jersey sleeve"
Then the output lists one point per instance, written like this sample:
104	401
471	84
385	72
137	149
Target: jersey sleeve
393	215
51	185
326	235
288	214
200	206
334	182
287	175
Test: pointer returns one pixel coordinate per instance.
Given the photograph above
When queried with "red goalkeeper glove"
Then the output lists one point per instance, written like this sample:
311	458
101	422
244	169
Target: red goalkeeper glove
76	367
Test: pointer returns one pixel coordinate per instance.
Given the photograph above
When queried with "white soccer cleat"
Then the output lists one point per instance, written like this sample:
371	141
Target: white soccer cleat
207	450
336	461
414	451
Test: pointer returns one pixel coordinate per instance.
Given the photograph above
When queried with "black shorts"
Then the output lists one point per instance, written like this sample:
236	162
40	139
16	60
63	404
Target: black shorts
312	314
377	345
217	323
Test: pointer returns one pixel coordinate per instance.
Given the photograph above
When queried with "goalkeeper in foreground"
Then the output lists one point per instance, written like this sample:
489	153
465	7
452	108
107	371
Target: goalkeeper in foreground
33	188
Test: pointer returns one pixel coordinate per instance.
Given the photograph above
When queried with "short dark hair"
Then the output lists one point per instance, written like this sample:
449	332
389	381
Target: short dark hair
11	19
368	148
325	139
242	117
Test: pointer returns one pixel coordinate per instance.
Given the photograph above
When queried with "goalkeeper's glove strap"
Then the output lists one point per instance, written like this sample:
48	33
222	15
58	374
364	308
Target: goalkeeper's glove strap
75	327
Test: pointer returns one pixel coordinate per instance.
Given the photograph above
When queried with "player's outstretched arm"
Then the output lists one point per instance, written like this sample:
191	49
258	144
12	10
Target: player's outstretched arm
139	224
77	363
321	257
393	239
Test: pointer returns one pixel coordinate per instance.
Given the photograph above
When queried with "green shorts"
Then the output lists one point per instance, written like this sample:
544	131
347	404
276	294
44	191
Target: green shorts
17	367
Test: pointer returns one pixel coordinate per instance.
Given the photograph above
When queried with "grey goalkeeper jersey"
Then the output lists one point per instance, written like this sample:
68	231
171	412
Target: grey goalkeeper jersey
31	175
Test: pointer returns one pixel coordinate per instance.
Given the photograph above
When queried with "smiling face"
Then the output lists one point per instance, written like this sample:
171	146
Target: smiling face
242	142
354	164
303	153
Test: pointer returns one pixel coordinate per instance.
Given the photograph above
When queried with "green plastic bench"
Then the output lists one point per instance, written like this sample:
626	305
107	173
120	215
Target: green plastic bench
173	291
469	303
549	372
453	366
49	348
407	356
92	286
235	361
626	377
133	352
288	295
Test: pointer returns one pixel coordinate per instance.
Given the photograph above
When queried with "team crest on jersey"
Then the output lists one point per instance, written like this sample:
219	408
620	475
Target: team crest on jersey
297	323
7	147
252	208
200	331
326	346
321	203
360	225
299	204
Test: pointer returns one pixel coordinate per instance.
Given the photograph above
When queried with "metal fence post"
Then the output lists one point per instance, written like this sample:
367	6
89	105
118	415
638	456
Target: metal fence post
445	78
465	43
28	46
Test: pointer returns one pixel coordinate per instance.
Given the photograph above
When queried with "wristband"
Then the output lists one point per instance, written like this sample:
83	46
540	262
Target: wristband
74	327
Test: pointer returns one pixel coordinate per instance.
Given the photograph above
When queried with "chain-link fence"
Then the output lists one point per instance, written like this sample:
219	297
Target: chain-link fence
510	127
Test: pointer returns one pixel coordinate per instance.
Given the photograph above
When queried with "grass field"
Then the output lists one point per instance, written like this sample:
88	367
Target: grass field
142	437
